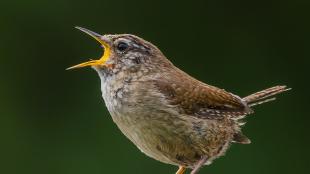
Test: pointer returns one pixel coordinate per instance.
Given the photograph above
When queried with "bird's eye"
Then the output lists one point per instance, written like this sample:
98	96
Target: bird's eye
122	46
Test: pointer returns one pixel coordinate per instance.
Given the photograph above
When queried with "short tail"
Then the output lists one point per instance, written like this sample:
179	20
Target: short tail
264	95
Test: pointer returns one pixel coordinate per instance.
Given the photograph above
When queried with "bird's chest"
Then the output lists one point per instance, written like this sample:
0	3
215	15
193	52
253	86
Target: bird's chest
135	112
116	94
120	97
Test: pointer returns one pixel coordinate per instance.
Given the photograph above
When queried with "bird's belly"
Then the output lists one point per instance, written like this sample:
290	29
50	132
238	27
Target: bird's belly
173	139
147	134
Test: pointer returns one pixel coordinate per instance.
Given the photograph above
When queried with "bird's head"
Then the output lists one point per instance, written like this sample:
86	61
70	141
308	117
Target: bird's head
123	51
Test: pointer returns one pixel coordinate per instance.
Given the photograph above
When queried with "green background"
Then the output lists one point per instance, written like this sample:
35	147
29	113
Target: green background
54	121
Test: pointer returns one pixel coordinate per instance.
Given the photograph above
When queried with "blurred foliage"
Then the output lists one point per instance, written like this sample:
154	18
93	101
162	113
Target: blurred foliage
54	121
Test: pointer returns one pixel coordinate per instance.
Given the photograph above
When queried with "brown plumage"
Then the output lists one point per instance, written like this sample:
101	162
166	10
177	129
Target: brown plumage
167	114
199	99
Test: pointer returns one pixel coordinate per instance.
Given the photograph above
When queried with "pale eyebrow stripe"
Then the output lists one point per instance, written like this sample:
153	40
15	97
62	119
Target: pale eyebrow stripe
134	42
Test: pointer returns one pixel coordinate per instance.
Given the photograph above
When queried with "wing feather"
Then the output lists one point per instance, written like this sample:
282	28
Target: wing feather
200	100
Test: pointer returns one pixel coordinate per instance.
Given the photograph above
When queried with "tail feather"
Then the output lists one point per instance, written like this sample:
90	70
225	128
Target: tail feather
264	95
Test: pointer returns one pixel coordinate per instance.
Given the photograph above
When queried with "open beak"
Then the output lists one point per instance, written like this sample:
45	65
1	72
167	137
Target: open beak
105	56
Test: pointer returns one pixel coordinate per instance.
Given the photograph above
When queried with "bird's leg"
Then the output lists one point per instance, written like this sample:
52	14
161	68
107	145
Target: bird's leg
181	170
198	166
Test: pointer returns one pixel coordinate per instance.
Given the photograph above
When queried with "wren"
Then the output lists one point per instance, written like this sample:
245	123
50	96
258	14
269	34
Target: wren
169	115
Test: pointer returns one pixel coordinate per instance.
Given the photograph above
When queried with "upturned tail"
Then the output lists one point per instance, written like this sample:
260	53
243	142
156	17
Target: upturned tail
264	95
258	98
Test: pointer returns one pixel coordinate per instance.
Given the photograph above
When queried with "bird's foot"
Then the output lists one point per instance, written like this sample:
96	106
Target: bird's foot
181	170
198	166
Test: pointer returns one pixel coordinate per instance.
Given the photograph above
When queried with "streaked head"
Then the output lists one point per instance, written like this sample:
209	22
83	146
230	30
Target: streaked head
121	49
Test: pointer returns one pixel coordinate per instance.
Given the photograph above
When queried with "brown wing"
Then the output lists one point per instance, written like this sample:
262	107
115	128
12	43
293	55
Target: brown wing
198	99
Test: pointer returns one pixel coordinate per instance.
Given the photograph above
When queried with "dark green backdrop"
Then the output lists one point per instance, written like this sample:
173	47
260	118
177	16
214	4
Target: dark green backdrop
54	121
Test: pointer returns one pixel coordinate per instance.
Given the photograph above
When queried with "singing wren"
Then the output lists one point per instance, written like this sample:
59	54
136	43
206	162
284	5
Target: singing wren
169	115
